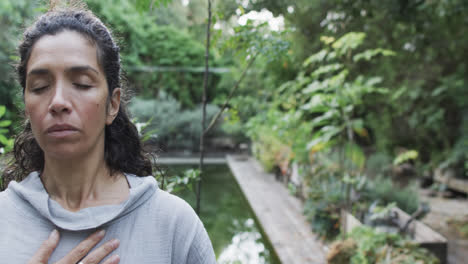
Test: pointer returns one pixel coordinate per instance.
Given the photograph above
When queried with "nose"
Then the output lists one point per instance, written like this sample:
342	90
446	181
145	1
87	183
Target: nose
60	102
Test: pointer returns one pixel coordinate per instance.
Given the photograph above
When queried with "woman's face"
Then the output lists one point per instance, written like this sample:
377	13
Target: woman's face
66	96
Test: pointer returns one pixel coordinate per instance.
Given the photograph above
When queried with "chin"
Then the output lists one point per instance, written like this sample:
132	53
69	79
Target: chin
66	152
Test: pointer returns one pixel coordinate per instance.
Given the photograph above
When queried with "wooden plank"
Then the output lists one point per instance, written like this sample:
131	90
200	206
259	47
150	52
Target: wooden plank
279	213
426	237
348	221
189	160
423	235
422	232
448	178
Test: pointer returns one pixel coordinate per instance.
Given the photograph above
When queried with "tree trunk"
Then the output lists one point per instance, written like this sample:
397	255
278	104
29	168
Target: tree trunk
205	88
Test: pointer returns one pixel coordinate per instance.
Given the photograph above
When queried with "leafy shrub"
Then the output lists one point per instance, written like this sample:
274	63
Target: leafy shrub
373	247
174	127
278	138
323	205
385	191
377	164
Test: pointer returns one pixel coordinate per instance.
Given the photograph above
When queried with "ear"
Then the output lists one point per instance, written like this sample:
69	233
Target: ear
113	106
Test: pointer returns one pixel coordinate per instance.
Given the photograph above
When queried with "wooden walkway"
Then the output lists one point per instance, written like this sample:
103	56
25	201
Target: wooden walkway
279	213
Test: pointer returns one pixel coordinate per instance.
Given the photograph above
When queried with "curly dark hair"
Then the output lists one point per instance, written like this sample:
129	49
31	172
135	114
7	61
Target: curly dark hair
123	150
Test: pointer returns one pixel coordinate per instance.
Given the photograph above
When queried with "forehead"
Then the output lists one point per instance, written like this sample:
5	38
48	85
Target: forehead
63	50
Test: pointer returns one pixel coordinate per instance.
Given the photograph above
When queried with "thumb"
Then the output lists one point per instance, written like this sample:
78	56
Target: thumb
42	255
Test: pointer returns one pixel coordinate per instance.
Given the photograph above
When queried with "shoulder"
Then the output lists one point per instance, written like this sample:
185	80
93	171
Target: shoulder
159	202
175	208
3	198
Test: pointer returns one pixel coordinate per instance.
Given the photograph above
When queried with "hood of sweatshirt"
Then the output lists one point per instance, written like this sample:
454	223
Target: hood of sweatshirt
31	196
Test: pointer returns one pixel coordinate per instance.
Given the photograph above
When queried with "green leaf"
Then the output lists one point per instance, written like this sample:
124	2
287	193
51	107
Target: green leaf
317	57
326	69
373	81
2	110
405	156
314	87
348	42
327	40
5	123
367	55
327	117
438	91
318	103
4	140
324	136
337	80
399	93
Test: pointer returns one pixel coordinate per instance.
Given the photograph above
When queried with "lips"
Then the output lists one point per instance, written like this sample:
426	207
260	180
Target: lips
61	130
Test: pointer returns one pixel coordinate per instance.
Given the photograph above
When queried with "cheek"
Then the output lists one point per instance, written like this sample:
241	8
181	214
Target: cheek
94	113
34	110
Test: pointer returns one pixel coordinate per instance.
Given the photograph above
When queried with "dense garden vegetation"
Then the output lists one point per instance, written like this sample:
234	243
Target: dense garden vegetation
347	100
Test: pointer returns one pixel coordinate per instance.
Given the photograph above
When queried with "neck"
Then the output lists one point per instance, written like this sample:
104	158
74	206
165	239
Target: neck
83	182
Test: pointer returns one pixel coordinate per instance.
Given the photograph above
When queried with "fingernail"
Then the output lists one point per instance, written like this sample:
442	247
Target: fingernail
53	234
101	233
115	243
115	259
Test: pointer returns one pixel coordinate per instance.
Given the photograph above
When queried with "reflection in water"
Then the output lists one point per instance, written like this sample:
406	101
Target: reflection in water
227	217
245	247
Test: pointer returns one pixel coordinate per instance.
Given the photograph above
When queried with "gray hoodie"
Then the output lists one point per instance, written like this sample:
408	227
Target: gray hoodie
153	226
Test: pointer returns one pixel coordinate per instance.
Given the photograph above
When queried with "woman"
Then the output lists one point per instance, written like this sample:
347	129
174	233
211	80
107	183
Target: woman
81	198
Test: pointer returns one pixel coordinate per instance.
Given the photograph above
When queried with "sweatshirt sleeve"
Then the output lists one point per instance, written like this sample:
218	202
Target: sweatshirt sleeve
201	250
191	241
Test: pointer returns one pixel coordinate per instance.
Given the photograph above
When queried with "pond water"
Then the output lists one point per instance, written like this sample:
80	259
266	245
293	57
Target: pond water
228	218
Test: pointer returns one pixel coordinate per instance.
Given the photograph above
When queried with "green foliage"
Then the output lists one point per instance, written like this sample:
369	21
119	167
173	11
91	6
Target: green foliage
171	126
13	15
406	156
377	164
5	141
326	91
144	5
251	40
383	190
381	212
322	208
278	137
457	157
426	100
177	183
379	248
157	57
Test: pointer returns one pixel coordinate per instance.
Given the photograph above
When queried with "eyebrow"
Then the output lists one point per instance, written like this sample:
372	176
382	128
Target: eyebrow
38	72
74	69
82	69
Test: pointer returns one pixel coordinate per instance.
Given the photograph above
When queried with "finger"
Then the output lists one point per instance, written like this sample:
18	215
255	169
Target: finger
83	248
100	253
42	255
112	260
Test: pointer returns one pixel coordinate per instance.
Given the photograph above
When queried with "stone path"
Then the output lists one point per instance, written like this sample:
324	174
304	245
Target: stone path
442	211
279	213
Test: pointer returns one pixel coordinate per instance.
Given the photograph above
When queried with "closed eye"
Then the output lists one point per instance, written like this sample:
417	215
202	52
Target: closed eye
39	89
82	86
